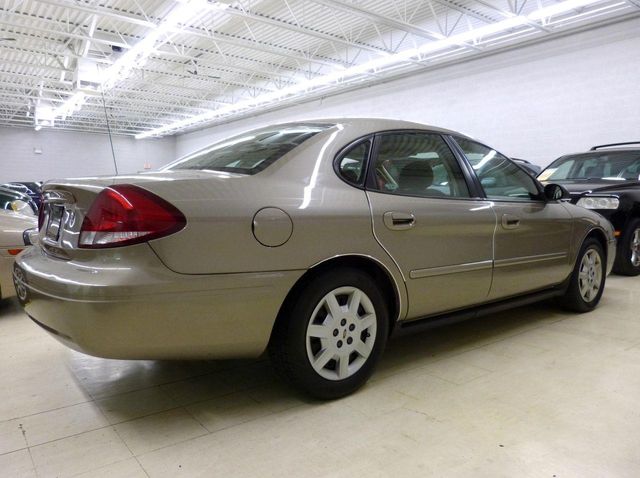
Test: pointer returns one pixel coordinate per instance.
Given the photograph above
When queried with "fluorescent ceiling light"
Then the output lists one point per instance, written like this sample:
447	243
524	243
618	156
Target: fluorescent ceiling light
138	54
370	67
560	8
70	106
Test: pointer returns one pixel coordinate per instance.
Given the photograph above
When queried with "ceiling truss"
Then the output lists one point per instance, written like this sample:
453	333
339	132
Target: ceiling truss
237	52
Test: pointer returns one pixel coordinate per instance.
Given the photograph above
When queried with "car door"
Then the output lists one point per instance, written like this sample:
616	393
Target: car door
532	238
428	219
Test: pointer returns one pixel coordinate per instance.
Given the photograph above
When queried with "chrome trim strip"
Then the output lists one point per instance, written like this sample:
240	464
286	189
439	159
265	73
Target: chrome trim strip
446	270
58	197
516	261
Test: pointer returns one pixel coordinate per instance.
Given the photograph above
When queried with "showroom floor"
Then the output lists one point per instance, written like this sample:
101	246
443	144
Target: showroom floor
530	392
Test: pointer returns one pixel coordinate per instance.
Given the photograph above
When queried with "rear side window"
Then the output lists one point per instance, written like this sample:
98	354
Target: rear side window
351	164
251	152
417	164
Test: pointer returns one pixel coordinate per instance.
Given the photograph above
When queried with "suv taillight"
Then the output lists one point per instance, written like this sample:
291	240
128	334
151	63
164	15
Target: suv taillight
125	214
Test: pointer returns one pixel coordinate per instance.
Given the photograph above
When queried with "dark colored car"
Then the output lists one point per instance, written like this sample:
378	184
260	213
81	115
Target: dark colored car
31	189
607	180
532	169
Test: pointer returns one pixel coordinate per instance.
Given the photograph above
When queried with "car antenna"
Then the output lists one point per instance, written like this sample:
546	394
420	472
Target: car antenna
106	117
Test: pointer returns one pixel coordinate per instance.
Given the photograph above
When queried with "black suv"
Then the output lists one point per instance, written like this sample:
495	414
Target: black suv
606	179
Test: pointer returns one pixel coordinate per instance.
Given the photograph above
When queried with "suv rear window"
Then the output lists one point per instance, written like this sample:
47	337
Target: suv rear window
250	152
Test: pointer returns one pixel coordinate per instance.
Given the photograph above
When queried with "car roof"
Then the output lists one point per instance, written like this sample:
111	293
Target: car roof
375	124
604	150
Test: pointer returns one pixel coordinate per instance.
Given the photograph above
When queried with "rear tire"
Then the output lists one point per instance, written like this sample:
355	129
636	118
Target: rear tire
587	280
628	253
328	340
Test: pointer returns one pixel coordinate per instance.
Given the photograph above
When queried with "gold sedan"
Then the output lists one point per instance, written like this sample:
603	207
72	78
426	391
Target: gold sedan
312	240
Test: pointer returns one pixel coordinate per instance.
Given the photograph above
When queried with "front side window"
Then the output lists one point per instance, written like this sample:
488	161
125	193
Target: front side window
251	152
351	164
499	176
417	164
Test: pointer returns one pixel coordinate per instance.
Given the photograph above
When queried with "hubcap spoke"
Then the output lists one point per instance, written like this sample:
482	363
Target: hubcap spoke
343	367
363	349
354	302
332	304
367	321
319	331
323	358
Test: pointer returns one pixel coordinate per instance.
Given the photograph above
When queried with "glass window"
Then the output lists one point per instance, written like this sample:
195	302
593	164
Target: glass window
418	164
611	165
251	152
499	176
351	163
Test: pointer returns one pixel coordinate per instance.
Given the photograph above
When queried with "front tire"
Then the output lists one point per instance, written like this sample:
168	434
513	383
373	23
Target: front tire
587	280
628	255
329	339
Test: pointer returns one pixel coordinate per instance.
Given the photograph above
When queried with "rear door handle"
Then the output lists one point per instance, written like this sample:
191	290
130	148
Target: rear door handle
510	222
398	221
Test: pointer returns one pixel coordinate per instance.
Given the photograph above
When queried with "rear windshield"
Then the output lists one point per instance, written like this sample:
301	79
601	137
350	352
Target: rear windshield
250	152
612	165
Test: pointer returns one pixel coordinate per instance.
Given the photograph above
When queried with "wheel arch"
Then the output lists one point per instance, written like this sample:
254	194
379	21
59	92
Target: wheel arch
376	269
600	236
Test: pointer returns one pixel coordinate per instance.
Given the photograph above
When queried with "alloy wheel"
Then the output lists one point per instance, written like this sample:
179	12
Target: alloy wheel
635	248
341	333
590	275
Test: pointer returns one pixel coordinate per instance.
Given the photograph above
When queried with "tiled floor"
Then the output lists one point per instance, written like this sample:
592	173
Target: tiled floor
531	392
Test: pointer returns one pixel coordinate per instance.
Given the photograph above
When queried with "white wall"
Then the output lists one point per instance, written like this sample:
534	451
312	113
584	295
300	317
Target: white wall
70	154
535	102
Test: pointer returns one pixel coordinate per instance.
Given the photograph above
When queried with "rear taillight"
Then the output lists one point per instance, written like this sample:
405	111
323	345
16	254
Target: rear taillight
125	214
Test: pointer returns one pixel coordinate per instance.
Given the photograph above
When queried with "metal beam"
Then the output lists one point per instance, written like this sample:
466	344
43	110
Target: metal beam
199	32
390	22
245	14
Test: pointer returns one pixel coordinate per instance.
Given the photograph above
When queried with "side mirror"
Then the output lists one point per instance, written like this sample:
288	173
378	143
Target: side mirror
555	192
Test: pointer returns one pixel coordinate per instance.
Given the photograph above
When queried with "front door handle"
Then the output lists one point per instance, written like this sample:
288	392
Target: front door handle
398	221
510	221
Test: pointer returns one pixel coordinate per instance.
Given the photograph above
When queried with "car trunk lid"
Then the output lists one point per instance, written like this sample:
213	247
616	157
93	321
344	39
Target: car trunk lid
66	202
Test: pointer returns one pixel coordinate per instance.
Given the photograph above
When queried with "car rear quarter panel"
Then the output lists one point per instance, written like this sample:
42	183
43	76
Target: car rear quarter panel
330	218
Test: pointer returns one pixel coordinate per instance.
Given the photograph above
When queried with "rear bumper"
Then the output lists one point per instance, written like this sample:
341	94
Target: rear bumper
113	311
